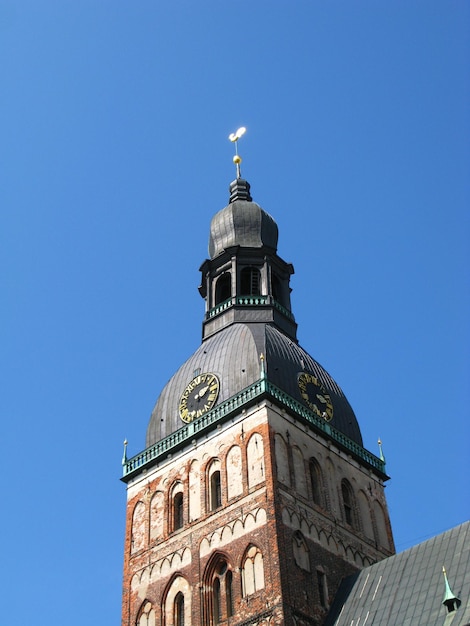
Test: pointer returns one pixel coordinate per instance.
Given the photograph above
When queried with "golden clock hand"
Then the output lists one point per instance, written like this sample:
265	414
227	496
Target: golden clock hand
203	391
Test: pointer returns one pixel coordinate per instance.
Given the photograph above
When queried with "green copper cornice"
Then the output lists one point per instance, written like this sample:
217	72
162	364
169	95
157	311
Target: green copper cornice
261	389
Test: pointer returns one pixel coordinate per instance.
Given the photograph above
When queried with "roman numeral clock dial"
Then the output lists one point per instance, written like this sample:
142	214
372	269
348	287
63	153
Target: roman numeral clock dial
199	397
315	395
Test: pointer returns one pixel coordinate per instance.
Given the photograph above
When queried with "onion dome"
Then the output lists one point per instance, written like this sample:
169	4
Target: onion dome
242	223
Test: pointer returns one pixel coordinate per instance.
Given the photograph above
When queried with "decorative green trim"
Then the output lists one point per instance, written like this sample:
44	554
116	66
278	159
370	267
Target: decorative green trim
219	414
283	310
249	301
226	304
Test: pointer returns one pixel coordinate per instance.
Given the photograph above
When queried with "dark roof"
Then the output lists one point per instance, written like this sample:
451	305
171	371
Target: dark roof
233	354
407	589
243	224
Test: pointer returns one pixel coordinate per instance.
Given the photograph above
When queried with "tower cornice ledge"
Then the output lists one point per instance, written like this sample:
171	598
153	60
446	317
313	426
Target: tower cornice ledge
262	389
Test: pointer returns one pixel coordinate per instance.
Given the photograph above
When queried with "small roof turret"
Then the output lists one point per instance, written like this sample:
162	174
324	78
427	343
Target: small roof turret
450	600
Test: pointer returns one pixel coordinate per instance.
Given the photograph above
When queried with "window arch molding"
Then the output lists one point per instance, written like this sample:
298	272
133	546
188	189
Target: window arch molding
252	569
223	288
349	504
218	585
214	484
235	465
139	536
322	585
146	615
301	551
178	619
317	482
381	525
176	507
365	514
176	601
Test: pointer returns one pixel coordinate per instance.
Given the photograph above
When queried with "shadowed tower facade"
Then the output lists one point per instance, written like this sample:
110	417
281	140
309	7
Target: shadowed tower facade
254	496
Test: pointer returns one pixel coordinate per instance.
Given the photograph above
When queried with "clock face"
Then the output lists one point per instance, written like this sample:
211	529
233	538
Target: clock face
315	395
199	397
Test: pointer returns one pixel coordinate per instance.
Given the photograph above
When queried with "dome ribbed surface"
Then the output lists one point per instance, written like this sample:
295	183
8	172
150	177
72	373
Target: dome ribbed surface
243	224
233	355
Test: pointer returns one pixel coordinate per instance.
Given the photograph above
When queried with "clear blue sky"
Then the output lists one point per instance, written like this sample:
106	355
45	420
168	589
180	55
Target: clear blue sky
114	157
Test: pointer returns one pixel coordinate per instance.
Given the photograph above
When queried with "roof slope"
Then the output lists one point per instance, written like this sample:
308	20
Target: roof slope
233	354
408	588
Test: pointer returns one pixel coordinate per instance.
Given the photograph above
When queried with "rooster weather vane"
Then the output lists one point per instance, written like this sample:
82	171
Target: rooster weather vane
234	137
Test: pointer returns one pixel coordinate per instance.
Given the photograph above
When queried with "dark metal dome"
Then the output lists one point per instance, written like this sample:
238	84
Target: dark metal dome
233	354
244	224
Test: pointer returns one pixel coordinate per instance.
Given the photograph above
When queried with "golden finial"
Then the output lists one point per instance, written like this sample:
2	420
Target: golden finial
234	137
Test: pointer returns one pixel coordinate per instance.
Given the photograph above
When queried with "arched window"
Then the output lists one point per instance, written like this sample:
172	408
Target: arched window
255	460
381	524
178	511
146	615
250	281
252	571
282	460
316	482
233	472
223	288
301	554
138	531
228	593
179	609
364	514
277	289
299	471
348	503
156	515
176	602
214	485
216	604
216	491
322	587
217	580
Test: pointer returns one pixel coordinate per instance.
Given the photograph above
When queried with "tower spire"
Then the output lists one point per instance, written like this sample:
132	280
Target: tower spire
239	188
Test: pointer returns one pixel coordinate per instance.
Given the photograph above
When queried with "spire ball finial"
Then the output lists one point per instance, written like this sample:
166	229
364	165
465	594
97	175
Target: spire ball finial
234	137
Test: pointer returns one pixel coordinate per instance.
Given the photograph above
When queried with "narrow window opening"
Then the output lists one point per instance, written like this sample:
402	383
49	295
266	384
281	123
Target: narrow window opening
223	288
179	609
216	491
228	593
277	290
316	482
250	281
348	503
178	511
322	588
216	601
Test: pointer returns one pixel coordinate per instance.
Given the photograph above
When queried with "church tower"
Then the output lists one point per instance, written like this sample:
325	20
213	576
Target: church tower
254	495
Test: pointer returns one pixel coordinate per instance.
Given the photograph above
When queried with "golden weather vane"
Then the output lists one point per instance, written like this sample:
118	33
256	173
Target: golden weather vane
234	137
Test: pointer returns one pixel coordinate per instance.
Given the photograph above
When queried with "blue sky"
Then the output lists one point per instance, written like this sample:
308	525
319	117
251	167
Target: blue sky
113	158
